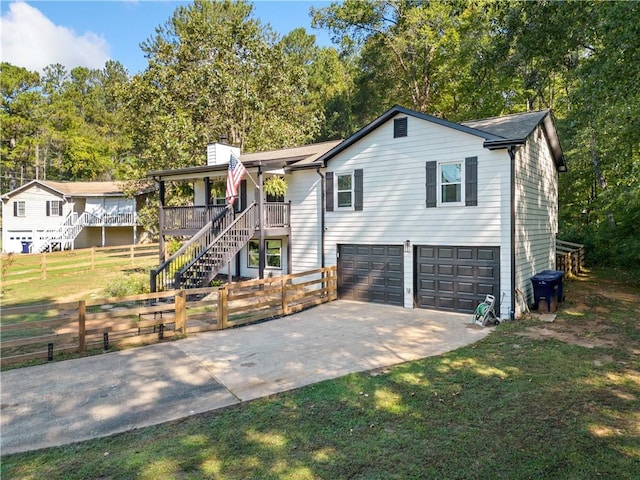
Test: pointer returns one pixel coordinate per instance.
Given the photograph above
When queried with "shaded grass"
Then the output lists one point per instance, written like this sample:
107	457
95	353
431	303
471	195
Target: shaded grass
509	406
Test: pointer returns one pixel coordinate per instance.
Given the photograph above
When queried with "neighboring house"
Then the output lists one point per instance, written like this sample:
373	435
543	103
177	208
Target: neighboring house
415	211
44	215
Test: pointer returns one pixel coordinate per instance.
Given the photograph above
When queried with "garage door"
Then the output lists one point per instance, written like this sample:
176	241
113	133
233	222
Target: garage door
455	278
371	273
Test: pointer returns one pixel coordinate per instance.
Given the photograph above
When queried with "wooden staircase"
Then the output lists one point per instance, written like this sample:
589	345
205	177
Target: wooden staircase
62	236
198	261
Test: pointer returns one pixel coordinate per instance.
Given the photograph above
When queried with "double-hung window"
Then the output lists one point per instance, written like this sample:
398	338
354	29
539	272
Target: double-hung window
54	208
344	190
19	208
451	184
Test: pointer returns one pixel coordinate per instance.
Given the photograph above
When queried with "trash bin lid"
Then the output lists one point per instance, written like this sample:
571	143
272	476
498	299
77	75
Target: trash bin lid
548	276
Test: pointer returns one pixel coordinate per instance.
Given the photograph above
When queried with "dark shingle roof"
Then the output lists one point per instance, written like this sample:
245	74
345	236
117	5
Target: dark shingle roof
510	127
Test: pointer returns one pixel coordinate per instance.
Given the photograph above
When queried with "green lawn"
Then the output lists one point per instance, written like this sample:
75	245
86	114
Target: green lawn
532	400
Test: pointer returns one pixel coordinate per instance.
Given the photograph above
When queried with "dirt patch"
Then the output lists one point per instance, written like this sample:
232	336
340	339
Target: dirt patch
588	335
588	314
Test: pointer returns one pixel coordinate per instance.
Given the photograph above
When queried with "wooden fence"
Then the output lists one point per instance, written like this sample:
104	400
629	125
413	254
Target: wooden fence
20	268
570	257
42	331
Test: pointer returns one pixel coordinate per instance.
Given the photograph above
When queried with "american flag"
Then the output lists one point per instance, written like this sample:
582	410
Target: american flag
234	176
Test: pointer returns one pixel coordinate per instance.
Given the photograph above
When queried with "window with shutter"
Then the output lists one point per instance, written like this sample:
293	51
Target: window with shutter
19	208
344	191
452	183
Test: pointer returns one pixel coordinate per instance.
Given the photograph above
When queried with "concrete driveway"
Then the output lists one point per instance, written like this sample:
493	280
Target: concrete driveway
75	400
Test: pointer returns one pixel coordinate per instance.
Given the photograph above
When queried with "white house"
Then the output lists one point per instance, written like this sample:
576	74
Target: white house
415	211
46	215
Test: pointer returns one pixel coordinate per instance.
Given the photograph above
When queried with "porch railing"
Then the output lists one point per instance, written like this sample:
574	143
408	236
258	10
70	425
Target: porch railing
277	214
93	219
189	217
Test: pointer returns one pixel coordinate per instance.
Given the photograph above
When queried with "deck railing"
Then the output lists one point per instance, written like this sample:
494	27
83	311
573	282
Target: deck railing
277	214
96	219
188	217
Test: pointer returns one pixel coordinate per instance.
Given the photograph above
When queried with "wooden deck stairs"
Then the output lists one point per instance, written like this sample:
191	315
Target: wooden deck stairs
199	260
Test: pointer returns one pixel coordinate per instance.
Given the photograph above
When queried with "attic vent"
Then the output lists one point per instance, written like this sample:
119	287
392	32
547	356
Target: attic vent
400	127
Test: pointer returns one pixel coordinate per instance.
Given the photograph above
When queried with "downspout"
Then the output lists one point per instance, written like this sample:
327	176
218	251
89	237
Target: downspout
512	156
322	202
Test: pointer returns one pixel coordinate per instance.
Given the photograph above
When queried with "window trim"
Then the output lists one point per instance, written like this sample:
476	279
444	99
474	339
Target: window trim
439	184
337	191
20	208
254	245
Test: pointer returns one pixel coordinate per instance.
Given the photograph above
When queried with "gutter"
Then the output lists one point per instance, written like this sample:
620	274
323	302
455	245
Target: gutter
322	203
512	156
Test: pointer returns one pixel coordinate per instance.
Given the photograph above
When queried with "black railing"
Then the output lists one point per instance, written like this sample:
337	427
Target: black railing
163	277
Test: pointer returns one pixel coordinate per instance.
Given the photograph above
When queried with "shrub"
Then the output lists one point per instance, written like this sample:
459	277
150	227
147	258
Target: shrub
133	284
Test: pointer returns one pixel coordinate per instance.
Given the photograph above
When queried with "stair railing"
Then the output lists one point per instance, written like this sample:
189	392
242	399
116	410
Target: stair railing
205	266
52	236
162	278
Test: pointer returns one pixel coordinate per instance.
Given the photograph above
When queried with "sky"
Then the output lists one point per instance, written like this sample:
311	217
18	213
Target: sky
86	33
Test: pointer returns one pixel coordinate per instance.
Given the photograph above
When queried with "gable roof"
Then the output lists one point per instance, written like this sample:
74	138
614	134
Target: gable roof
498	132
74	189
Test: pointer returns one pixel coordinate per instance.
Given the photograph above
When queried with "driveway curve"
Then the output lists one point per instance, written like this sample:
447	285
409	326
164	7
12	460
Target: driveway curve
75	400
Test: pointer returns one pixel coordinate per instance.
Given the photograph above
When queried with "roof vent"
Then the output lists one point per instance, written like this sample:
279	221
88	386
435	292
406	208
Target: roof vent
400	127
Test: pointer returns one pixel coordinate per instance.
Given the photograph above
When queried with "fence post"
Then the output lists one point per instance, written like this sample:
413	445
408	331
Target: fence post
132	256
222	308
93	252
333	282
285	300
181	311
82	330
43	266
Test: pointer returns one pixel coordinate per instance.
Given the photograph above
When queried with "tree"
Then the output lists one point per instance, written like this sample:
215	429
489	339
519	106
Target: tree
214	72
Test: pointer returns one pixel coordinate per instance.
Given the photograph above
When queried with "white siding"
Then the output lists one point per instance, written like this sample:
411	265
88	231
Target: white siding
536	203
305	194
35	218
394	208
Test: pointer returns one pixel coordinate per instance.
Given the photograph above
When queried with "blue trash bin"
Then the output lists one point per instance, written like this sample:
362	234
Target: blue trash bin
25	246
546	284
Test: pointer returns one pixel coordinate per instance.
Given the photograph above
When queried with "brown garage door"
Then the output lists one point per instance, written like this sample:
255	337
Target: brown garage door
455	278
371	273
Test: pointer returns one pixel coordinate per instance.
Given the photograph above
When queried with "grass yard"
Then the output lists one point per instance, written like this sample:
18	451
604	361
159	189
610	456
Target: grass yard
532	400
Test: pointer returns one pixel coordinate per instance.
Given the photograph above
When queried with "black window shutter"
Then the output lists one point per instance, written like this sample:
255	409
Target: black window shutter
400	127
471	181
60	208
15	209
48	208
329	192
432	184
359	194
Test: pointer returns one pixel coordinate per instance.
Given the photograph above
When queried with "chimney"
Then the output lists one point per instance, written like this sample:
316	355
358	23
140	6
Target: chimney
218	153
